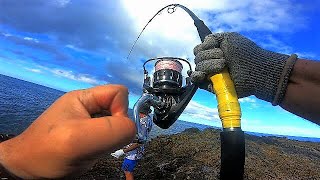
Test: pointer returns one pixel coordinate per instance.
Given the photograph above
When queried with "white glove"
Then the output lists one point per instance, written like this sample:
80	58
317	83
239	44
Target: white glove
118	153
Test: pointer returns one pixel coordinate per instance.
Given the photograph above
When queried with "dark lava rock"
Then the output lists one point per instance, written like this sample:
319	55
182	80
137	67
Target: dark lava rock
195	154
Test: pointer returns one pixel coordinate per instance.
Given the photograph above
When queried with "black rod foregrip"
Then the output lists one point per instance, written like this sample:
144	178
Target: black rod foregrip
232	155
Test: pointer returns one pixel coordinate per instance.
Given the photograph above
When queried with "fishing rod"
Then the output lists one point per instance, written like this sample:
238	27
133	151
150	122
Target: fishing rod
169	98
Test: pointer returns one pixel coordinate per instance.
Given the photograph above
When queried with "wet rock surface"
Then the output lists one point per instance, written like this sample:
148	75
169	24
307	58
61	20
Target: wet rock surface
195	154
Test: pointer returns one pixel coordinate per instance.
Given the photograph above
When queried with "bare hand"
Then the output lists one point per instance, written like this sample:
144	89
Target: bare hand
65	140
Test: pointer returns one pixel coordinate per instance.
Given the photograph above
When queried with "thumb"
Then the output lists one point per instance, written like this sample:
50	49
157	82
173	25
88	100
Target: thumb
113	98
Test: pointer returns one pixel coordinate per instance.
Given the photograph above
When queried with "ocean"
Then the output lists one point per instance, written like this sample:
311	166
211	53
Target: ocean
21	102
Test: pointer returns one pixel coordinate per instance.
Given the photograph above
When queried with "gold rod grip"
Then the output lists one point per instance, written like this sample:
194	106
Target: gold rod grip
228	104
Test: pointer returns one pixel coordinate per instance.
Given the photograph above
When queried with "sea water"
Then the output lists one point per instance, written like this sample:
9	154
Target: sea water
21	102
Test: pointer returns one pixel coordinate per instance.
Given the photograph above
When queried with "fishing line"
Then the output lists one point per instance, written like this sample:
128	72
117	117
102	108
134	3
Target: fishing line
171	9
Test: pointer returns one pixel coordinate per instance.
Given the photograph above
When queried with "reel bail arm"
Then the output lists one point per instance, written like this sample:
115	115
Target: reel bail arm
146	100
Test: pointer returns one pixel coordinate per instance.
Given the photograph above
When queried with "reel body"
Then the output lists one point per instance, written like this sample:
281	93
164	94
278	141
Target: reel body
167	88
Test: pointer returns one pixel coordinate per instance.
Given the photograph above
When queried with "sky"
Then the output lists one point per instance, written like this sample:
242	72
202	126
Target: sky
76	44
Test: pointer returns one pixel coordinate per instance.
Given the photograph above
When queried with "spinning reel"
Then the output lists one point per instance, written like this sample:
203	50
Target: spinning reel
167	87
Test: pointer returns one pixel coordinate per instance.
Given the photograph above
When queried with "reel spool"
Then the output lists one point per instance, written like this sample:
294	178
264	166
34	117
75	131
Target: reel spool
167	77
167	74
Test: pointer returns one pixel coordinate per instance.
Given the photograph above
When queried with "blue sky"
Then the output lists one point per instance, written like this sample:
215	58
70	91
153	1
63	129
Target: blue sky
74	44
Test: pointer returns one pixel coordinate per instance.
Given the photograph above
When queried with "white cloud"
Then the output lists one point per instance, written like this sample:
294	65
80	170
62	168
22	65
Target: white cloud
247	99
175	35
227	15
61	3
77	77
195	110
86	78
34	70
307	55
31	39
253	15
275	127
271	43
249	102
6	34
107	26
282	130
110	27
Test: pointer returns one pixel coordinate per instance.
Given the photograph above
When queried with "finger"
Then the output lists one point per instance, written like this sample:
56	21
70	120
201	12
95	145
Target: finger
113	98
215	53
211	66
197	49
210	42
197	76
219	37
102	135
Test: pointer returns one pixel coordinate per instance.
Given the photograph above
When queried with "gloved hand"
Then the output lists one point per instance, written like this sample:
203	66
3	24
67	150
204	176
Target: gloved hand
254	71
118	153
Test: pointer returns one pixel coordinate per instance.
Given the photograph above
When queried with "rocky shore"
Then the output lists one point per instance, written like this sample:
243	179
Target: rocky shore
195	154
